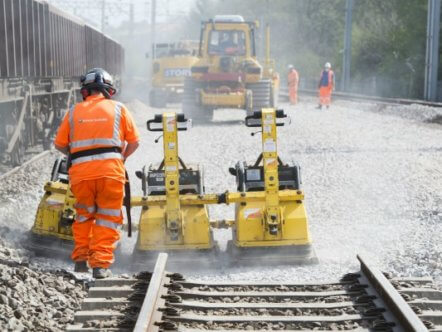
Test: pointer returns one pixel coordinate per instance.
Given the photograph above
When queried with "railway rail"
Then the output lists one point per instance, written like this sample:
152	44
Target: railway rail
358	97
161	301
6	172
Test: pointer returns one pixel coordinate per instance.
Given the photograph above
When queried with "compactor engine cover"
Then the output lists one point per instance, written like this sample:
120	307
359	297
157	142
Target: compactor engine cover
190	181
251	178
52	229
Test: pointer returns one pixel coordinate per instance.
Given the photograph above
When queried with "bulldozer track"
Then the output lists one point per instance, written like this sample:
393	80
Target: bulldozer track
283	93
161	301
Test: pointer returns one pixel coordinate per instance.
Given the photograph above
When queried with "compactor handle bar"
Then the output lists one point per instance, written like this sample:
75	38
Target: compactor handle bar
257	115
158	119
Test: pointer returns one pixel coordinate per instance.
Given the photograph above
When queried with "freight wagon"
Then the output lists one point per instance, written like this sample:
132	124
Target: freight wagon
43	53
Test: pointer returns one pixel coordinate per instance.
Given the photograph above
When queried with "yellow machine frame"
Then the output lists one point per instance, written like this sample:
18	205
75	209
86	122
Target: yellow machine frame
269	218
271	221
171	225
57	204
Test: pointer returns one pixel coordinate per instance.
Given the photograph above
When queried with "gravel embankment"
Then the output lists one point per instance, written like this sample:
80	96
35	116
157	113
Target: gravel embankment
372	180
32	299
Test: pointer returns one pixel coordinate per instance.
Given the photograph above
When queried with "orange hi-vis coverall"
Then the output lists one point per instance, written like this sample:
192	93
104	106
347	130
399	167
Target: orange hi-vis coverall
293	80
326	85
97	181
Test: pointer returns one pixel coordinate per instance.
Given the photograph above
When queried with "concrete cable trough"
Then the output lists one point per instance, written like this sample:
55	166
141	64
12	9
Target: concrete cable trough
367	300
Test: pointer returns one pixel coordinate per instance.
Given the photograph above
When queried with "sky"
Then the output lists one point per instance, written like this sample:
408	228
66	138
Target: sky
118	11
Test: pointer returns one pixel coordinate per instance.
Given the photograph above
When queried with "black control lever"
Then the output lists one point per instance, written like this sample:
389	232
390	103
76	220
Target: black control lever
157	119
181	117
280	114
255	132
158	138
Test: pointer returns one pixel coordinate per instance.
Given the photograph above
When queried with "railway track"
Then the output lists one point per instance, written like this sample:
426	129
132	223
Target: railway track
6	172
367	300
357	97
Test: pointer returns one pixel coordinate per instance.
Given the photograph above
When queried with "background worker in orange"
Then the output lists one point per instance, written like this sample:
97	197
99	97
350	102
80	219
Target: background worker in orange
326	86
292	81
98	134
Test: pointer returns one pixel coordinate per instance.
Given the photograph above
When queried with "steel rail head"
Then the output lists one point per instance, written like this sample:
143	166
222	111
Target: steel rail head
26	163
396	304
283	93
149	306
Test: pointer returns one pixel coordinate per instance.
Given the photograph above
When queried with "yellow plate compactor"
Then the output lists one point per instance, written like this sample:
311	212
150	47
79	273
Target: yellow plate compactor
270	219
51	233
270	225
173	219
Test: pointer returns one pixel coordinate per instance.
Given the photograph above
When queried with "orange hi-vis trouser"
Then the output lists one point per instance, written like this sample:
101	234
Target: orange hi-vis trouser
293	94
325	93
95	229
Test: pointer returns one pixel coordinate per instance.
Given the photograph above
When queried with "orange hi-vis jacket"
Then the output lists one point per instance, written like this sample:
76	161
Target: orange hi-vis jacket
293	78
97	122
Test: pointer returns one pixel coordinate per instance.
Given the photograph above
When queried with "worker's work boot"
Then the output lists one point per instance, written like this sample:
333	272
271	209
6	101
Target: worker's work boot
101	273
81	266
319	107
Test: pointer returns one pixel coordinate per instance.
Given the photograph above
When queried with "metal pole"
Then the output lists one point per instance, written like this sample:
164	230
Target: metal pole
432	51
152	27
346	63
103	15
131	20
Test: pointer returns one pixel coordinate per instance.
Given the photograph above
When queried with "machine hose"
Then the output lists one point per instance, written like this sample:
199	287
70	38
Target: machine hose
126	203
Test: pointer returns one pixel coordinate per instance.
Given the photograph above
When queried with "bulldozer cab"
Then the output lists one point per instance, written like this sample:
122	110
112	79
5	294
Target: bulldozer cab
227	35
229	42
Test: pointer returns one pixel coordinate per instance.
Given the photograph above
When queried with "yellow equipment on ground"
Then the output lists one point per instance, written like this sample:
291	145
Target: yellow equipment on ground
227	73
271	222
170	66
51	233
172	225
270	225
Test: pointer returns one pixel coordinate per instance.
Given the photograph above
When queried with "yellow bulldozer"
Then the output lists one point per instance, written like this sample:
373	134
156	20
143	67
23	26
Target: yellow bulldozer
227	73
170	66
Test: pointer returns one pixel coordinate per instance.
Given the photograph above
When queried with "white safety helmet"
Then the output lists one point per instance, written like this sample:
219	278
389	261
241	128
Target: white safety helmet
327	65
290	67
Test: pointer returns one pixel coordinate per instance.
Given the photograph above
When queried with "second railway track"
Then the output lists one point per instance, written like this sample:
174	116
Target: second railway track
365	98
6	173
366	300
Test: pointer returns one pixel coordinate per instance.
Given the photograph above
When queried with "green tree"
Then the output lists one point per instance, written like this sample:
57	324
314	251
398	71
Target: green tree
388	38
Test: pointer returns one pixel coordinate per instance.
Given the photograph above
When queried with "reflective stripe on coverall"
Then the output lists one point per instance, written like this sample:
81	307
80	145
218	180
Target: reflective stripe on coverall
98	200
326	84
293	80
97	181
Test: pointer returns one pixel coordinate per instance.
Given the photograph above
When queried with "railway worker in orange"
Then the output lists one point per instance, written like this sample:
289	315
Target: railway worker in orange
98	135
326	85
293	81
